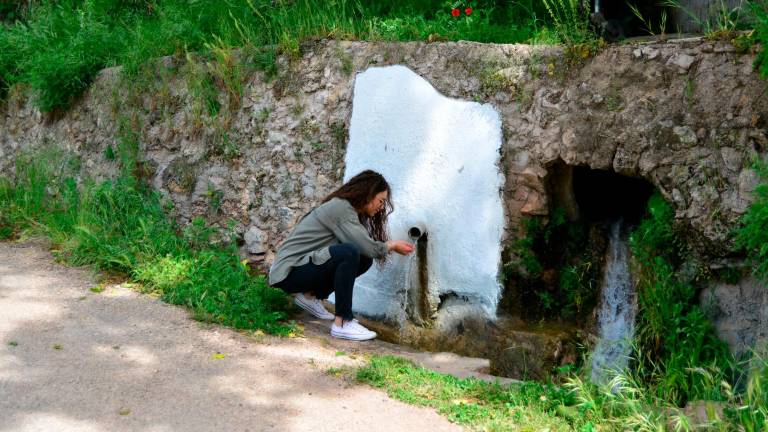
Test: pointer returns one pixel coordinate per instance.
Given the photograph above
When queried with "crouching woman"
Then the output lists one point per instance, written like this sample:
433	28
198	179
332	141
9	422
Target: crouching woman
334	244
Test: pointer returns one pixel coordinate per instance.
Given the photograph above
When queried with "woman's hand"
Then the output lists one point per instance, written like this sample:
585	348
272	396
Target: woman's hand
400	246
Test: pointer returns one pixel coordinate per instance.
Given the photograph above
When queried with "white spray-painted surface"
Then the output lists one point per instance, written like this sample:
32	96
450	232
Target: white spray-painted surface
440	156
618	308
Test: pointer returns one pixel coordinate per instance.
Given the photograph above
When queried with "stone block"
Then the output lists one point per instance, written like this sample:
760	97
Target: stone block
254	240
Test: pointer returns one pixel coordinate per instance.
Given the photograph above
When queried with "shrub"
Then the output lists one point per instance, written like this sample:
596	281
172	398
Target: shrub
752	235
60	46
673	334
60	50
760	18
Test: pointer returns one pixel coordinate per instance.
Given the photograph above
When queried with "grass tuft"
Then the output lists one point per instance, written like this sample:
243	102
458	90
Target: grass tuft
471	402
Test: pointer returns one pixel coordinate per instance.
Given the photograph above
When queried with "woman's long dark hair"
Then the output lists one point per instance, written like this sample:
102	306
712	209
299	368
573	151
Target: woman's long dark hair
359	191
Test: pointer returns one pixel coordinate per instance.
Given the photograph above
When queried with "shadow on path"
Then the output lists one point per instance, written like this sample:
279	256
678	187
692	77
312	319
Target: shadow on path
74	360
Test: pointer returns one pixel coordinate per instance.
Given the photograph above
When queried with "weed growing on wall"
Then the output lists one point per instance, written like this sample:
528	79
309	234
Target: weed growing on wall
60	48
265	60
570	21
673	334
227	71
752	236
120	225
202	90
722	18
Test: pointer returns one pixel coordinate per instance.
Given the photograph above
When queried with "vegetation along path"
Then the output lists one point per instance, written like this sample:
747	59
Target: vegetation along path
77	356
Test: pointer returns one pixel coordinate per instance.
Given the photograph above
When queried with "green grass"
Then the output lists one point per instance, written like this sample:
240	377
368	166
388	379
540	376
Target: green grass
760	13
752	235
674	337
57	48
623	404
121	226
471	402
571	21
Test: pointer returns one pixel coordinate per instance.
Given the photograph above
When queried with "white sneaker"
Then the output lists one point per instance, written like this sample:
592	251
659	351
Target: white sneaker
313	306
352	330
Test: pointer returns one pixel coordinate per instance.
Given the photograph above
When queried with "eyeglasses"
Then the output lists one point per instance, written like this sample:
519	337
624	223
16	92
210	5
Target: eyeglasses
381	204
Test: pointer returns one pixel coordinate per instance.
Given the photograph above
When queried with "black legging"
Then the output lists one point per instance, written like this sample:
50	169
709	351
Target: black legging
335	275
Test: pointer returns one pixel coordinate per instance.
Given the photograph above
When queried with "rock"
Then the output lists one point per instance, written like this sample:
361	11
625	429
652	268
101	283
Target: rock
285	218
535	204
254	240
725	48
650	53
748	181
732	158
686	135
683	61
732	200
703	413
739	312
529	354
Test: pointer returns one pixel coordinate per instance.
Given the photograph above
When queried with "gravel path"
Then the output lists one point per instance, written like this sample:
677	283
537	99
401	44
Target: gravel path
75	360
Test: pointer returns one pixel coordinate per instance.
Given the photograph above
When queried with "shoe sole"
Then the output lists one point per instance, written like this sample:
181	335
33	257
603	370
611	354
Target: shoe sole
347	337
312	312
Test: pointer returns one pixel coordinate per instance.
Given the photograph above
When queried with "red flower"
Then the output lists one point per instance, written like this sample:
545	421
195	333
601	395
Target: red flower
468	11
455	12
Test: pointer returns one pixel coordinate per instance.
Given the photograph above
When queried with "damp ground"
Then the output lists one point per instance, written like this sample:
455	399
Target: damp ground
79	356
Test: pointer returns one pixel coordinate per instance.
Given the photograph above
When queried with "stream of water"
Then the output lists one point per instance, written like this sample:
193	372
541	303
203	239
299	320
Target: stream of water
409	262
618	307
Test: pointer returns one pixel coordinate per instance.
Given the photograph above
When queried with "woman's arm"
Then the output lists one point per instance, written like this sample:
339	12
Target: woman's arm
341	218
348	229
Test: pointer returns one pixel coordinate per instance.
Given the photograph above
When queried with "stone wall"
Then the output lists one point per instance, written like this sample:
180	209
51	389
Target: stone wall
688	116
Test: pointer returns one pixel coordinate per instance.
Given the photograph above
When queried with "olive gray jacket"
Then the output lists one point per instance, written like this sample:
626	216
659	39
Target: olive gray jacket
331	223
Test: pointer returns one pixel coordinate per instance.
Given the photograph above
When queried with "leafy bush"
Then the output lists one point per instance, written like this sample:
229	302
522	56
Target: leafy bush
8	58
59	50
760	13
673	334
60	46
752	236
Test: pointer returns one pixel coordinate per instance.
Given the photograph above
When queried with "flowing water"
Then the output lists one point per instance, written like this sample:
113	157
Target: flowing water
410	306
618	307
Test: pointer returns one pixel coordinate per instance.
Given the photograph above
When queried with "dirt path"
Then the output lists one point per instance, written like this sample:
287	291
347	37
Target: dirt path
75	360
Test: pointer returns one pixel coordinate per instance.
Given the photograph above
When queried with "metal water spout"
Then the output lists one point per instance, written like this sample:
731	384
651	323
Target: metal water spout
417	231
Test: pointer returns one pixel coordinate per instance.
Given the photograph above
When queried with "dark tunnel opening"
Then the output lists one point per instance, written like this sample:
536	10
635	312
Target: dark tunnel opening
604	196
